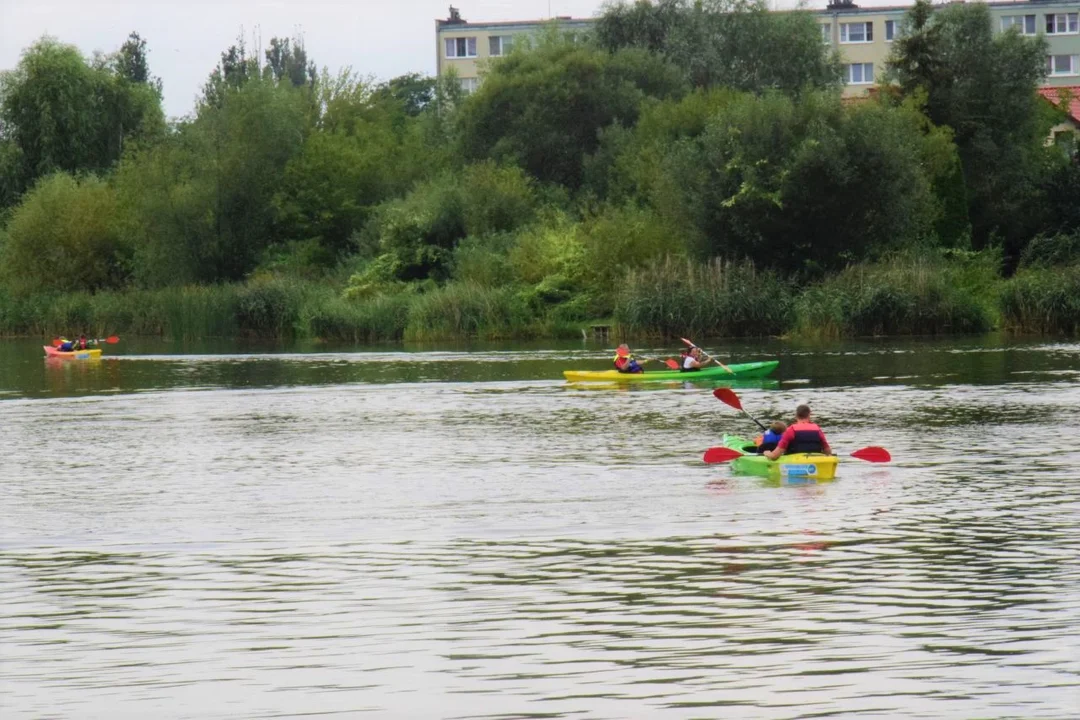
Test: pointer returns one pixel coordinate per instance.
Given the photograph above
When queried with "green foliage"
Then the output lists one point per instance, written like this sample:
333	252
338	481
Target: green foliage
63	236
676	298
466	310
1043	300
906	295
737	44
543	109
982	85
803	184
60	113
199	206
1052	251
420	231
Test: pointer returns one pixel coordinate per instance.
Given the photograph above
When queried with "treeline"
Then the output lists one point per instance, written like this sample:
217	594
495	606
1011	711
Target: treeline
689	166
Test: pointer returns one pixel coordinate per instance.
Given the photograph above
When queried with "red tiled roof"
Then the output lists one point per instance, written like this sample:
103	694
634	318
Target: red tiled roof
1053	94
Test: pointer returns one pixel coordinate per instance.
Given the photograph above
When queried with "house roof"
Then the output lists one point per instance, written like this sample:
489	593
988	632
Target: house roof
1053	94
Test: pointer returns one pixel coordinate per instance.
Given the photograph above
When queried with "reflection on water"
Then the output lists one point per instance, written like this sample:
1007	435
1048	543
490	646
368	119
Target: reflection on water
305	534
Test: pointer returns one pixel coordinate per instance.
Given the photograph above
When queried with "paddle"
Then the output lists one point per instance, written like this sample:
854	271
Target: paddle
669	362
691	345
873	454
728	397
720	455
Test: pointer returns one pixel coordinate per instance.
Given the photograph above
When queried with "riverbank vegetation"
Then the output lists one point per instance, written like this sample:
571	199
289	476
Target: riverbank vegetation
686	168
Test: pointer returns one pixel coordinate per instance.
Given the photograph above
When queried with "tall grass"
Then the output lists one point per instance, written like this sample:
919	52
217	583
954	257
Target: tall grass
907	295
670	298
469	310
1043	300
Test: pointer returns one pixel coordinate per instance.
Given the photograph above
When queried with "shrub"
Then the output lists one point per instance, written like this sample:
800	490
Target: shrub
909	295
1043	300
63	237
679	297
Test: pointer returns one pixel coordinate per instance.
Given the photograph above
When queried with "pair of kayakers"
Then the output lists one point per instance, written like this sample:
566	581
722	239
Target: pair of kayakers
802	437
71	345
625	362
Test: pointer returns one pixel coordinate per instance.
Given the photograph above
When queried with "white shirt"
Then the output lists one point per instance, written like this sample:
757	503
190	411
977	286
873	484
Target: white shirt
688	362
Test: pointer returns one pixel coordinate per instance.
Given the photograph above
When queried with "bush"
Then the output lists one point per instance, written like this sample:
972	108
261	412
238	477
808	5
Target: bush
1052	251
909	295
466	310
679	297
1043	300
63	237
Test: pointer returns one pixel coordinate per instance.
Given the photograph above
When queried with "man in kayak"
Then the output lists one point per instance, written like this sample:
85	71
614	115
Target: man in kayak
802	437
625	362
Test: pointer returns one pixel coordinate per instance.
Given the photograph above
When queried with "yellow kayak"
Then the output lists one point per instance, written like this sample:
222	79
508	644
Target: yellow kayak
816	466
88	354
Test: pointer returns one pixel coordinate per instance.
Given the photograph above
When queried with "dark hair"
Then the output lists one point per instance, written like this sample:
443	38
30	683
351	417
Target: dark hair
802	412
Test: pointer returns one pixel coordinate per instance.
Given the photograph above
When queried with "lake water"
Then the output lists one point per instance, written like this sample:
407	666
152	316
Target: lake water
227	531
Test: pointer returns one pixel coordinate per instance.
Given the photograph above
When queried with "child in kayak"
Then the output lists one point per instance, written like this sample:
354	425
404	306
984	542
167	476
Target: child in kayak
802	437
625	362
771	438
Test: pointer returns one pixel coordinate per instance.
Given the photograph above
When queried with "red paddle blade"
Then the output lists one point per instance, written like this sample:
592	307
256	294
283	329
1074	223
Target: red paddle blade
112	340
57	342
671	364
872	454
728	397
720	454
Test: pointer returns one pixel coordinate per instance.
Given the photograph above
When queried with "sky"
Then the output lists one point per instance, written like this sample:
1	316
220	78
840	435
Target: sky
185	38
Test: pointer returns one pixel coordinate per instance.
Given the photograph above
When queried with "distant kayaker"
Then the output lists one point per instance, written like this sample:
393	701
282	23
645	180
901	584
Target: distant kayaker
691	361
71	345
802	437
625	362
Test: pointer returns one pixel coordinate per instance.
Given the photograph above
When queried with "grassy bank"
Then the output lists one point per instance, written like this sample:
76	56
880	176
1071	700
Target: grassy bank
283	308
906	295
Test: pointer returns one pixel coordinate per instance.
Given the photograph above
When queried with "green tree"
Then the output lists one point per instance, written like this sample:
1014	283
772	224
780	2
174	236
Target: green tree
738	44
543	108
61	113
199	207
63	236
803	184
290	62
982	85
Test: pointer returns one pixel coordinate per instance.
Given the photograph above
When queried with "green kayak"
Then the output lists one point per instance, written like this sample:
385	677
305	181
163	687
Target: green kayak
713	372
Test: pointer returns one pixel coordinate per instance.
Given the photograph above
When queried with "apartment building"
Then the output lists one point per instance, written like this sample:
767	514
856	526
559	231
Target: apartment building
864	37
464	46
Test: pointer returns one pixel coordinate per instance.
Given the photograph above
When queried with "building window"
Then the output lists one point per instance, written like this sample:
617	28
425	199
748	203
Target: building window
890	30
1063	24
860	73
463	47
1024	23
469	85
826	33
1063	64
499	45
861	32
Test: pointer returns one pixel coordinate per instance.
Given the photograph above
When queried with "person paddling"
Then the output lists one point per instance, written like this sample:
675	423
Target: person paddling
625	362
802	437
71	345
691	361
